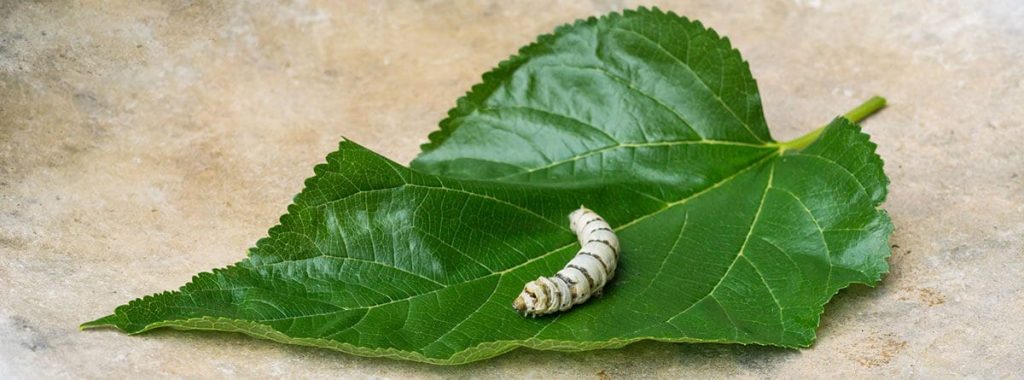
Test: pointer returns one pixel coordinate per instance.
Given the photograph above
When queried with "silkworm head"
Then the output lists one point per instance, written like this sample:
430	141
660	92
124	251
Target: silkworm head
524	304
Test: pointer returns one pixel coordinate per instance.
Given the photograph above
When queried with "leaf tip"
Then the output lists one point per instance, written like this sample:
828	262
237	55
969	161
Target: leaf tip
107	321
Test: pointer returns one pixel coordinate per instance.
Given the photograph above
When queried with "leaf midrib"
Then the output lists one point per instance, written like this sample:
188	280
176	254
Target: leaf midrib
552	251
634	145
418	354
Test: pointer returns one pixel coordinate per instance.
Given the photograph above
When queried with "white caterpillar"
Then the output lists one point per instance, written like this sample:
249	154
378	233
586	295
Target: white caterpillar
585	275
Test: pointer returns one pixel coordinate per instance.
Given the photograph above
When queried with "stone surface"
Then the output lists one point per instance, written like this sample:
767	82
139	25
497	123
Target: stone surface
142	142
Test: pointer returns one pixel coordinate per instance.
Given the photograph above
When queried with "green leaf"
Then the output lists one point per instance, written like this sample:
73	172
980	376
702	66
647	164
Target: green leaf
648	118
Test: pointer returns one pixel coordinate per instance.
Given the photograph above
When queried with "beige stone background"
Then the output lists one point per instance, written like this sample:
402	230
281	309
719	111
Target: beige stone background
144	141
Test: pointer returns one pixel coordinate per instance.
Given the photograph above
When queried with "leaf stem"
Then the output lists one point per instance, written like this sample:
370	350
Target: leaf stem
855	115
866	109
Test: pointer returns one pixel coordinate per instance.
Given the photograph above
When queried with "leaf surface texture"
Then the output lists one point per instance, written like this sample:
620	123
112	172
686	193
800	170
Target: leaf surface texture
650	119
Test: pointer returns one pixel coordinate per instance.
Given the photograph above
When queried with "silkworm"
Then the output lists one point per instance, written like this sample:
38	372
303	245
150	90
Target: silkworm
584	276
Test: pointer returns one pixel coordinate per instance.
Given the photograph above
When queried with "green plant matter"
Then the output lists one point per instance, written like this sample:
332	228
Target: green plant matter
650	119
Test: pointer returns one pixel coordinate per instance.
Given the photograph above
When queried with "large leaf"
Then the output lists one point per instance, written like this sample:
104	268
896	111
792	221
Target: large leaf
649	119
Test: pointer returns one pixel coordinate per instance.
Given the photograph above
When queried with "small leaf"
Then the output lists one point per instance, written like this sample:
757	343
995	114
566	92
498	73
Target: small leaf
648	118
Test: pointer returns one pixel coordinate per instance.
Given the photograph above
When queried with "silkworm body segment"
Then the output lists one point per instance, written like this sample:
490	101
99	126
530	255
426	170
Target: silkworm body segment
584	276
